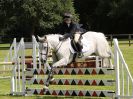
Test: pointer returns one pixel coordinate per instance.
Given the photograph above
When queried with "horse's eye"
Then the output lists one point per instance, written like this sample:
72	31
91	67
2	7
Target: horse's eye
45	47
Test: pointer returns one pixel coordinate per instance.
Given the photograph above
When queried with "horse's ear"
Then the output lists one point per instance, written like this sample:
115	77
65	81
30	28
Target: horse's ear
42	39
45	38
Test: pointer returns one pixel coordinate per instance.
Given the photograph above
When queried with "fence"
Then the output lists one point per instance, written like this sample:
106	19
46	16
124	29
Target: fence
124	80
17	85
121	37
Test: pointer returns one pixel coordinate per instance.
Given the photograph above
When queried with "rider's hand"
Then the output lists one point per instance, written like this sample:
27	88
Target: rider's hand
61	38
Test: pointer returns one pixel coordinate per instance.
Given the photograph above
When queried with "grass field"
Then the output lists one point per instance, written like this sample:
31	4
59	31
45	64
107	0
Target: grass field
5	83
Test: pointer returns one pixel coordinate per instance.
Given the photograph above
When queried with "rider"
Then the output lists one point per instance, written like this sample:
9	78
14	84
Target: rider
68	28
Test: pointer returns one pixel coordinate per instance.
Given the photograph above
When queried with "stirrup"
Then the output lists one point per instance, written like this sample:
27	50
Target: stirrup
80	55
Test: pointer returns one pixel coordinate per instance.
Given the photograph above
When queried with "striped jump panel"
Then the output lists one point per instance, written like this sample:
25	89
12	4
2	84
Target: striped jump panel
90	93
71	71
93	82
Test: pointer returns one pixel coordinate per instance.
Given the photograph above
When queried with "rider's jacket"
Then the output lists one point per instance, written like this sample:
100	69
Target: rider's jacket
68	30
71	28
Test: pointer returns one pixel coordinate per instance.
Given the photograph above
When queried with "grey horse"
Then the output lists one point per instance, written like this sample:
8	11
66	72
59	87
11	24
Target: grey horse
62	53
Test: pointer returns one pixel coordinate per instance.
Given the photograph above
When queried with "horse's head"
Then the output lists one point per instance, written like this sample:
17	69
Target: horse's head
49	43
44	48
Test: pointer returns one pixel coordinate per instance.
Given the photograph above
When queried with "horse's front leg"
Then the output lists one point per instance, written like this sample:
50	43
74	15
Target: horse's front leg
49	79
50	76
62	62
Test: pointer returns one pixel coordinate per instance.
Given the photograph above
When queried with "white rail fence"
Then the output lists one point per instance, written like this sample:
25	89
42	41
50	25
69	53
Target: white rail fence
124	80
10	56
18	77
18	84
35	53
7	64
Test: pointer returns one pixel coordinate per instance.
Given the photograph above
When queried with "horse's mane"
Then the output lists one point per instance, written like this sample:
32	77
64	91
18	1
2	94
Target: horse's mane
53	36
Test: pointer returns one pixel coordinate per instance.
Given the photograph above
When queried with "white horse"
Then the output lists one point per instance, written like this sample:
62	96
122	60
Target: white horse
62	53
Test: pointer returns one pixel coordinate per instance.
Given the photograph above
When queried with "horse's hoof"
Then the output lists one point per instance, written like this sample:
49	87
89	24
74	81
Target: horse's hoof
52	79
46	88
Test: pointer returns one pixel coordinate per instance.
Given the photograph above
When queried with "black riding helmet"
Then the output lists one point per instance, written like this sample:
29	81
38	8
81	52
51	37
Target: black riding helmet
67	15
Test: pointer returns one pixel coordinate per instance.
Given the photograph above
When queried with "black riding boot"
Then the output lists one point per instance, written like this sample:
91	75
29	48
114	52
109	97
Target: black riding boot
80	47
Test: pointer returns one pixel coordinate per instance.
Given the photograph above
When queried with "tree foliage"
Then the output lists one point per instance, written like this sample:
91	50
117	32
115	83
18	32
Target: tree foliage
27	17
108	16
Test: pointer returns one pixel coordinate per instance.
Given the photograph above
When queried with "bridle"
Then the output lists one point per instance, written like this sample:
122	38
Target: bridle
46	47
58	46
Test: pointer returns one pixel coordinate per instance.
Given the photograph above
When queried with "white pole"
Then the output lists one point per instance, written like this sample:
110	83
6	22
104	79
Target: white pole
23	67
116	64
20	64
34	52
13	72
18	70
123	80
128	85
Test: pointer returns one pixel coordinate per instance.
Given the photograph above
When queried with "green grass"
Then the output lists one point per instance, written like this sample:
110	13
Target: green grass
5	83
128	55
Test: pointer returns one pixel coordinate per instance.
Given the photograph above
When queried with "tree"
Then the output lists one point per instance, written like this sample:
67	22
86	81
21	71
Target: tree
122	14
108	16
27	17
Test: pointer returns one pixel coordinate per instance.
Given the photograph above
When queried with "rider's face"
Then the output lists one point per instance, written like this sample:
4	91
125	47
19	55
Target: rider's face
67	20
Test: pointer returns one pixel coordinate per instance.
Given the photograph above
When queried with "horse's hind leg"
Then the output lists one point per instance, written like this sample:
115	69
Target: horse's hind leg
111	64
107	63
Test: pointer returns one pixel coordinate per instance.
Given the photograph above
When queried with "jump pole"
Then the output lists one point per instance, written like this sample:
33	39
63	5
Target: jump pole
7	63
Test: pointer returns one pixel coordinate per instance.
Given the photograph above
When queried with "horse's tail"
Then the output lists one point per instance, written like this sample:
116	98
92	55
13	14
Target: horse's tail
103	47
104	51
